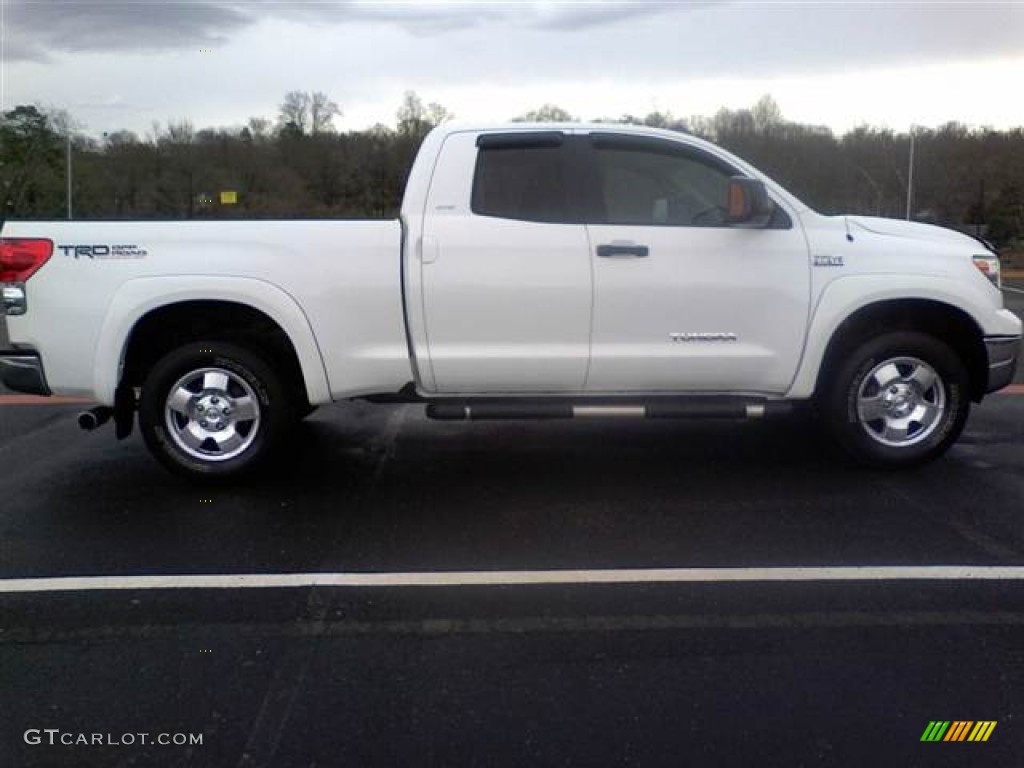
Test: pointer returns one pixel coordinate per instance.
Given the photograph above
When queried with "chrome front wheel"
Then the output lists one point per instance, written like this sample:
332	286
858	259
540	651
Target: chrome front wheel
897	400
901	401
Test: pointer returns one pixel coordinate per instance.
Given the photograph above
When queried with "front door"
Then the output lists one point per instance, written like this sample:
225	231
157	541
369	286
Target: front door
683	302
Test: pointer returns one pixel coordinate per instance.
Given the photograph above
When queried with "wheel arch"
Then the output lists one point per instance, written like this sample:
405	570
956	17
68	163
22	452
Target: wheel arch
948	323
146	321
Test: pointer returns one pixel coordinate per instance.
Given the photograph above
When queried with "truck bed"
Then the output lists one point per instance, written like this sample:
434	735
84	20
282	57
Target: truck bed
338	281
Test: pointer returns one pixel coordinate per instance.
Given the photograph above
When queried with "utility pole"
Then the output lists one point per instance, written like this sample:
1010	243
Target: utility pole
68	174
910	174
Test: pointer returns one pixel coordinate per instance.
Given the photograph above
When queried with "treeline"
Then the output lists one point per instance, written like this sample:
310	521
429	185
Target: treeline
300	166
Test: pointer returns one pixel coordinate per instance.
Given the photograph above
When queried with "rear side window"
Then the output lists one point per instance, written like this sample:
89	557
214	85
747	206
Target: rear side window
521	178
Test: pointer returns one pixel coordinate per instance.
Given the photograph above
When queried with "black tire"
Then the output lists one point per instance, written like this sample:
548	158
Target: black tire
250	408
897	400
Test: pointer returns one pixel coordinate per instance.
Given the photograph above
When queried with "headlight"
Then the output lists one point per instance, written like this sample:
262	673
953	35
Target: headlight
988	265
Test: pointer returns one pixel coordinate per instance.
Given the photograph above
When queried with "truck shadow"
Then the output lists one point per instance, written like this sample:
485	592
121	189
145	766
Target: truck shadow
384	488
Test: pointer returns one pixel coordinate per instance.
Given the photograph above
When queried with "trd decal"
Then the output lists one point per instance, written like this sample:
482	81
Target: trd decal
103	251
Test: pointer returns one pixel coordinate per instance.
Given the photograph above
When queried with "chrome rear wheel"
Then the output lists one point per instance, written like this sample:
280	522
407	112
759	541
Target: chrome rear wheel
214	410
212	414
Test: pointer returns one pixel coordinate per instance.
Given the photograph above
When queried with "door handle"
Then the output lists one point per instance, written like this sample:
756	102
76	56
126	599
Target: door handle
611	250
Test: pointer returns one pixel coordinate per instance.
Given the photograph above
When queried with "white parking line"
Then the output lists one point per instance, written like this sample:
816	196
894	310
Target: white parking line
1015	290
511	578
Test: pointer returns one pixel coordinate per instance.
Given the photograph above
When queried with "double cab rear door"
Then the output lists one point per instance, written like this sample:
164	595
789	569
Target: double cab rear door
554	262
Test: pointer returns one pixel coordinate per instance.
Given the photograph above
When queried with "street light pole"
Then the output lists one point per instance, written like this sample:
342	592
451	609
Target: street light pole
910	174
69	173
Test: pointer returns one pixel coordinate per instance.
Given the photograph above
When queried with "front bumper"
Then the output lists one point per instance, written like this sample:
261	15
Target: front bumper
1003	353
23	372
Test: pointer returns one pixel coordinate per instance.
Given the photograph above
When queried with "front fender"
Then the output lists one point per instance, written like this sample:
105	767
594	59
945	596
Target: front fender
136	298
844	296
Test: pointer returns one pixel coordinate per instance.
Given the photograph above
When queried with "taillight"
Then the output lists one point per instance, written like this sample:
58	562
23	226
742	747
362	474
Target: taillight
21	257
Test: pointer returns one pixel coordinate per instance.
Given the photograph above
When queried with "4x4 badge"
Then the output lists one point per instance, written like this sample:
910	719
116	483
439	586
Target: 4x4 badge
827	261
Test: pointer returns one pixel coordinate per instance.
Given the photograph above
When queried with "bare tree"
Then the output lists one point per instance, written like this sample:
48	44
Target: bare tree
180	132
322	112
294	112
120	138
437	114
416	120
549	113
411	114
259	128
62	121
766	114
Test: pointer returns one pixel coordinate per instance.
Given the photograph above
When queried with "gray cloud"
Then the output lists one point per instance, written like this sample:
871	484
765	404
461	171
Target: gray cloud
51	26
574	18
41	27
708	37
22	50
652	42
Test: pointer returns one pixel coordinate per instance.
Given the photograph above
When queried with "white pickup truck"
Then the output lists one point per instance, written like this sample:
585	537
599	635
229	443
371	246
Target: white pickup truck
536	271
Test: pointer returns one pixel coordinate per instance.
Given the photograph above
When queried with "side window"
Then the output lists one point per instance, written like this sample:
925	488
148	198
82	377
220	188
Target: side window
520	179
650	182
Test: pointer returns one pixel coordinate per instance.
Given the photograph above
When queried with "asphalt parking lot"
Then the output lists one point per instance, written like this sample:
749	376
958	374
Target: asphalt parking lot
712	664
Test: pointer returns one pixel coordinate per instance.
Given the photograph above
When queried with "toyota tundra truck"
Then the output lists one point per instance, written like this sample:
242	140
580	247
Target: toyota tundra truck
535	271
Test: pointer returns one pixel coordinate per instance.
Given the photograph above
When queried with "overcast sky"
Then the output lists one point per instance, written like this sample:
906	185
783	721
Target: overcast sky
126	64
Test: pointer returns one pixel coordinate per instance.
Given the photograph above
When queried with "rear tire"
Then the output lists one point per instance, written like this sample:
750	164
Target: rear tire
213	410
898	400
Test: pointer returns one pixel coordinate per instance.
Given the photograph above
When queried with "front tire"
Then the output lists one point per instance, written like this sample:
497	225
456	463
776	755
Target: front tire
899	400
213	410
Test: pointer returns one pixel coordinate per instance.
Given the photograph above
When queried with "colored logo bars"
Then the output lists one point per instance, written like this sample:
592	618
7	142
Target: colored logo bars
958	730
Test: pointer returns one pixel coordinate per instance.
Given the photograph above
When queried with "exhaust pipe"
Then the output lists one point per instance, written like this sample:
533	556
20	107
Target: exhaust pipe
95	417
